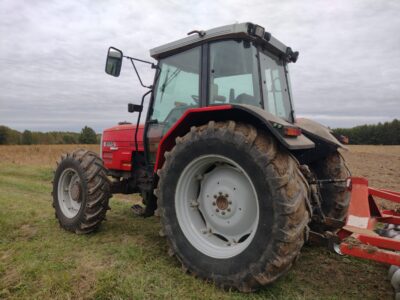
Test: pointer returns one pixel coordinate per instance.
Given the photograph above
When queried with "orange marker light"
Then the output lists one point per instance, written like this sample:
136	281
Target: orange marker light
291	131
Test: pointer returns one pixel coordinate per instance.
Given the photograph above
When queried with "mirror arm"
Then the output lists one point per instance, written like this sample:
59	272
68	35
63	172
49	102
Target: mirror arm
143	61
137	73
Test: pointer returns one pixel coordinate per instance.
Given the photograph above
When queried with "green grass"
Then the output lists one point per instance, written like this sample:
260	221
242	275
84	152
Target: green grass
127	258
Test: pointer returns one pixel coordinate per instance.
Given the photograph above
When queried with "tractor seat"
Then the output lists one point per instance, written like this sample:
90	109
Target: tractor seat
247	99
214	97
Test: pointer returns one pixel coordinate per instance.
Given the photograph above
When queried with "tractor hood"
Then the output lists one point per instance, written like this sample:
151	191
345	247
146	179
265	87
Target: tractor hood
118	144
123	136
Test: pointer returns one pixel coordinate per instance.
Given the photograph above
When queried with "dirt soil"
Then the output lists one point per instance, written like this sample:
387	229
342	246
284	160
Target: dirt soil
379	164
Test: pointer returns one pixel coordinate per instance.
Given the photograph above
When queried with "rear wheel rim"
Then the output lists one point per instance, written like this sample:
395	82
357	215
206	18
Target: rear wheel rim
69	192
217	206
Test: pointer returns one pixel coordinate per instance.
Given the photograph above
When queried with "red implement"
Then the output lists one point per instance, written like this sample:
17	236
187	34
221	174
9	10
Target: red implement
358	237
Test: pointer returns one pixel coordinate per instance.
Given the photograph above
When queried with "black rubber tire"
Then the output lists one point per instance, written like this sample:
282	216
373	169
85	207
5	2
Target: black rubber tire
95	195
282	192
335	196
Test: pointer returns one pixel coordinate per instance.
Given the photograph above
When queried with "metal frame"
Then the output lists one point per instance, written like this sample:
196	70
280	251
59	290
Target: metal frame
204	78
358	237
239	30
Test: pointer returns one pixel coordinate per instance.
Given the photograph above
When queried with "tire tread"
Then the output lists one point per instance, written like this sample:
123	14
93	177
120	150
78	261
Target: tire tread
97	196
292	217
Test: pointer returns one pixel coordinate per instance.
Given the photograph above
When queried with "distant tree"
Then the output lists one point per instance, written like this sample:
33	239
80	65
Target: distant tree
14	137
9	136
68	139
3	135
87	136
387	133
27	138
98	137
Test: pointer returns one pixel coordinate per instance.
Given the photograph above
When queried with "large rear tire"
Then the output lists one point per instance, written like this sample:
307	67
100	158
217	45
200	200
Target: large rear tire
335	196
81	191
233	205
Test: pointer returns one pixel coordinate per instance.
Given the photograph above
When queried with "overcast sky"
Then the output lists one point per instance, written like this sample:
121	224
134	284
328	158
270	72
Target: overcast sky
52	56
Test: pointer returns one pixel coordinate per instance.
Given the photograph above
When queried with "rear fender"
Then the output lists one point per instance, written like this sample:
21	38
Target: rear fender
317	131
325	142
257	117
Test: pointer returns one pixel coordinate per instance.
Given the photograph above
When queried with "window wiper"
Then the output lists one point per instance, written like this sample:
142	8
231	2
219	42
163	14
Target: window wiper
167	80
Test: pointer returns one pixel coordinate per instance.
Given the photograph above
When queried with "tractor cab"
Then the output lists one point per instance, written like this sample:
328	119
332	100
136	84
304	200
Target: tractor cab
237	71
234	64
239	64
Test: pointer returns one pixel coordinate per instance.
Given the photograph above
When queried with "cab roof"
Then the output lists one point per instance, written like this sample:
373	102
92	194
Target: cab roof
239	30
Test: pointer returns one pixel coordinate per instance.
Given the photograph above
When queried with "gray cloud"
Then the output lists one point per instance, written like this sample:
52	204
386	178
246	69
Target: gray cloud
52	56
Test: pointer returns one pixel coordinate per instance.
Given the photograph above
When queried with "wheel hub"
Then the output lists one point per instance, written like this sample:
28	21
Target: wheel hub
76	191
221	216
222	202
69	193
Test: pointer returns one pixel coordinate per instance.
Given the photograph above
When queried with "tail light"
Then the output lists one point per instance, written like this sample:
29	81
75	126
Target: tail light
291	131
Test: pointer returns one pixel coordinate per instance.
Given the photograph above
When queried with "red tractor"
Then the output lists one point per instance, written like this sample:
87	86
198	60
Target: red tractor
237	180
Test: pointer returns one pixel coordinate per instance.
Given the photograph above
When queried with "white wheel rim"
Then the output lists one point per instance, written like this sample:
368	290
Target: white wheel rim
217	206
69	193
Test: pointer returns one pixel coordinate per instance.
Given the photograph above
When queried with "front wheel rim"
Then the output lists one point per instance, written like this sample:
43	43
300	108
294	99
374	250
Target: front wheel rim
69	191
217	206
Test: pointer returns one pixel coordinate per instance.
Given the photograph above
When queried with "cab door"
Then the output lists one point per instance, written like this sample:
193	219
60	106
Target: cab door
177	89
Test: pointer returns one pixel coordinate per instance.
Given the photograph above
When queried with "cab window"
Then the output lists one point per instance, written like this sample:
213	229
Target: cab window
276	90
177	87
234	73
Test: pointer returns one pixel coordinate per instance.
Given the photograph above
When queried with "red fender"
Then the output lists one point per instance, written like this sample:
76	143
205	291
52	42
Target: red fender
191	117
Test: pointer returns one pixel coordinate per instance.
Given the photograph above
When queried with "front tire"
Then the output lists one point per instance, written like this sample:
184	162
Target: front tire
81	191
233	205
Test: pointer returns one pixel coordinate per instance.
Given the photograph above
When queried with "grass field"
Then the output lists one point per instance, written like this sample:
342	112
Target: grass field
127	258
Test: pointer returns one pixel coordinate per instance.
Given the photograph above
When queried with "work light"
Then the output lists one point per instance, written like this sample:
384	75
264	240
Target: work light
256	30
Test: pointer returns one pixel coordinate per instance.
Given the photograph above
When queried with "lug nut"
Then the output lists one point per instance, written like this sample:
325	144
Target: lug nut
220	193
228	209
230	202
226	195
215	196
223	213
217	210
213	203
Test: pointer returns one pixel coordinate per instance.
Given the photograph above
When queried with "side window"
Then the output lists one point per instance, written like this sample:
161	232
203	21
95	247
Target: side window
233	73
177	87
276	92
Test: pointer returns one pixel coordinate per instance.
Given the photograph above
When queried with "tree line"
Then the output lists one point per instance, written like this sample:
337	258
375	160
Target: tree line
387	133
10	136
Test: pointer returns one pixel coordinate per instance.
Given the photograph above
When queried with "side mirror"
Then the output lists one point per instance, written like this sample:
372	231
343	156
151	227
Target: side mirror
114	61
134	107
